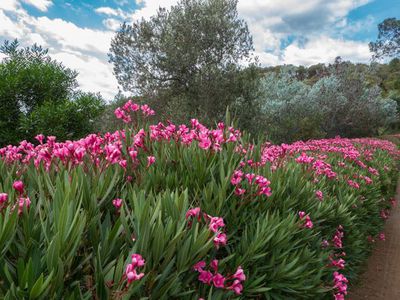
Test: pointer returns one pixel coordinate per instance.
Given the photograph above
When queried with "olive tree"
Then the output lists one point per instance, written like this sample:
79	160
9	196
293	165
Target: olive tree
189	57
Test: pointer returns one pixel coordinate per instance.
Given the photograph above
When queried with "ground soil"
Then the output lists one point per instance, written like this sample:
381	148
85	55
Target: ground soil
381	280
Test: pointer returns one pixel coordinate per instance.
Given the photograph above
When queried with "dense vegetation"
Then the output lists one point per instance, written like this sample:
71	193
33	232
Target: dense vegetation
183	212
114	201
38	94
195	60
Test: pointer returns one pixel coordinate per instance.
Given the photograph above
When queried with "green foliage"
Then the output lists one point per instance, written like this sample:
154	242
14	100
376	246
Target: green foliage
73	244
342	103
186	60
65	119
388	42
29	78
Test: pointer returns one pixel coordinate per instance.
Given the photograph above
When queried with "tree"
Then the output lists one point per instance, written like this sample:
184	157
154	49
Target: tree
343	103
186	57
388	42
29	78
67	120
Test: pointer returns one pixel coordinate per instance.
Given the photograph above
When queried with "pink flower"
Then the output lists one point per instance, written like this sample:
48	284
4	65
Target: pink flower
214	265
236	177
23	202
199	266
216	223
302	214
250	177
137	260
194	212
218	281
324	244
117	203
133	276
339	296
382	236
40	138
337	239
384	214
131	273
353	184
338	263
239	191
239	274
236	287
319	195
3	198
205	143
150	160
308	223
18	186
205	277
220	239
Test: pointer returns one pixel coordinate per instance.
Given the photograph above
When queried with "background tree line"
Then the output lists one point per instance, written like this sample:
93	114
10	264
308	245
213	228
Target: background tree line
195	60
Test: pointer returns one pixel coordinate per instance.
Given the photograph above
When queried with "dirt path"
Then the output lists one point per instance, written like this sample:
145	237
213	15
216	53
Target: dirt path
382	277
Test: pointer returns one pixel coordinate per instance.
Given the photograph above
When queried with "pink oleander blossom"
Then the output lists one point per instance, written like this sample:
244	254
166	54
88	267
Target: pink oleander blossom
18	185
199	266
214	265
218	281
205	277
239	274
236	287
194	212
117	203
131	274
319	195
216	223
23	202
3	198
220	240
150	160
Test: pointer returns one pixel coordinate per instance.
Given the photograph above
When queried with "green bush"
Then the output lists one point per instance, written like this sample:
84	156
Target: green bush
74	241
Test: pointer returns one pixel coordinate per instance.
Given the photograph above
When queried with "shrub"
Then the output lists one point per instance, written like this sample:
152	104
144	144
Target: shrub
165	211
65	119
334	105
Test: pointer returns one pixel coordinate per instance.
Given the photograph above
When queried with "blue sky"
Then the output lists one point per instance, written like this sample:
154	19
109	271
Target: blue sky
78	33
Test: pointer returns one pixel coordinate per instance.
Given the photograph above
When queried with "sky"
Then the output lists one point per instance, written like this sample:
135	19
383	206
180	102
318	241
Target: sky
300	32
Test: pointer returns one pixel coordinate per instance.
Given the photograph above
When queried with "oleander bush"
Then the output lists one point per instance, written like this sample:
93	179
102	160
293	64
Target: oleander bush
171	211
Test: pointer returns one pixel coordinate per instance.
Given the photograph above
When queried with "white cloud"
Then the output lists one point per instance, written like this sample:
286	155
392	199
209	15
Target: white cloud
8	5
322	24
150	8
111	12
271	21
10	28
42	5
71	37
94	74
81	49
324	49
112	24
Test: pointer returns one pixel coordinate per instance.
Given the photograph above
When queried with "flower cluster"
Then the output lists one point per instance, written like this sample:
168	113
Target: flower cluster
337	238
319	195
117	204
214	224
131	274
262	184
21	201
109	149
232	282
123	112
307	220
340	285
